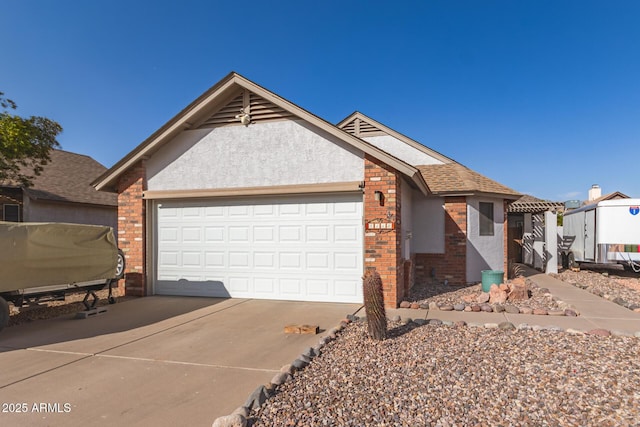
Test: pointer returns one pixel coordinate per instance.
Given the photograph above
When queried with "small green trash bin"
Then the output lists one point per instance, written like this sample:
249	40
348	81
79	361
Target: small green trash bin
491	277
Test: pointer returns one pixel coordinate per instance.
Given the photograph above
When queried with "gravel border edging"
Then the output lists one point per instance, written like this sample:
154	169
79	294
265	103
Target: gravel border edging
238	418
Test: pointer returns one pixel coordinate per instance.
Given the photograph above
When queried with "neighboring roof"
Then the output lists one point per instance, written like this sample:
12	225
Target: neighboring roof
362	126
67	177
215	99
530	204
610	196
455	179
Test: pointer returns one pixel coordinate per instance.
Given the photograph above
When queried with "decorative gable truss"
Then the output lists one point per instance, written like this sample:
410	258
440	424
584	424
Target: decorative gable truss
362	128
249	106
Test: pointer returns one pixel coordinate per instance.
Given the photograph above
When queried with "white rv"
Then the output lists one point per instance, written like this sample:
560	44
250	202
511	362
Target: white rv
607	232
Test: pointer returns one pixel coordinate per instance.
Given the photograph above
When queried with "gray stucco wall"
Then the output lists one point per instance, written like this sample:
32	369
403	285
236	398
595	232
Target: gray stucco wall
263	154
484	252
428	224
402	150
406	219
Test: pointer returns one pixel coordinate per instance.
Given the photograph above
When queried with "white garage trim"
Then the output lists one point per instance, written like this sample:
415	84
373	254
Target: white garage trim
301	189
307	248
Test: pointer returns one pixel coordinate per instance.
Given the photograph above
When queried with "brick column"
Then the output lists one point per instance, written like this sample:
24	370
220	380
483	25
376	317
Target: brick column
131	228
382	247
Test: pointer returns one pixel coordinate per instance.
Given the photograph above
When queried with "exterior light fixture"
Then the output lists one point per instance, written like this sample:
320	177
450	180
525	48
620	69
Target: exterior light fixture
244	118
379	197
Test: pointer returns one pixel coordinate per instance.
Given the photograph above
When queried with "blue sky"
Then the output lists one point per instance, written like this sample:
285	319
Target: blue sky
542	96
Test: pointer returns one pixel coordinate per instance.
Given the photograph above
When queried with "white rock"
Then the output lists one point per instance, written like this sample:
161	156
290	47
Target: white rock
233	420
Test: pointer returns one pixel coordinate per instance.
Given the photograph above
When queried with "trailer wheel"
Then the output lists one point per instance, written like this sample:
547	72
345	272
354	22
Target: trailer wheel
4	313
120	267
571	260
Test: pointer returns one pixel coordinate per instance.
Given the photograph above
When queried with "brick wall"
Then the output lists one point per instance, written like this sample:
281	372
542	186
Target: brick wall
452	264
131	228
382	248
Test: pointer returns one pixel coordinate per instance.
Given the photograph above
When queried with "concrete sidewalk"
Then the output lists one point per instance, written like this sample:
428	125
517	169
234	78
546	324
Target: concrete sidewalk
595	312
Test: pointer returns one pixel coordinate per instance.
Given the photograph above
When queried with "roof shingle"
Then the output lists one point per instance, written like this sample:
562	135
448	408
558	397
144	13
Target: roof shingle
454	178
67	178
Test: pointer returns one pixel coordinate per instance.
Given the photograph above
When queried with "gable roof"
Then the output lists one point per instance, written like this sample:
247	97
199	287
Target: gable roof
448	178
363	126
219	103
531	204
455	179
610	196
67	177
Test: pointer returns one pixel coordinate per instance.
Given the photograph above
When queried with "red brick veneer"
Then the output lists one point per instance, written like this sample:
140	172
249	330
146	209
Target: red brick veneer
452	264
383	248
131	227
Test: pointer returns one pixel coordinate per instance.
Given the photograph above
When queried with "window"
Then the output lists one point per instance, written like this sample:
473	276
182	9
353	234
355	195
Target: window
11	213
486	219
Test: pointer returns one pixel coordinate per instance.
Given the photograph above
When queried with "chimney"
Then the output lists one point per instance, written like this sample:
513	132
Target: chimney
594	192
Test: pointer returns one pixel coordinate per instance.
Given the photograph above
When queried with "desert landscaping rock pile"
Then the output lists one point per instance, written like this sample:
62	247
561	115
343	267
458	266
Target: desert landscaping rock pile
518	295
440	375
435	373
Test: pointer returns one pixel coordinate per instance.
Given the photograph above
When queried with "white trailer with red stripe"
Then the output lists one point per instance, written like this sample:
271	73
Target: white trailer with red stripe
606	232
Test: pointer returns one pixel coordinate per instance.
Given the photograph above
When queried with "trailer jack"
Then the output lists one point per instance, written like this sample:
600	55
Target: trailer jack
88	306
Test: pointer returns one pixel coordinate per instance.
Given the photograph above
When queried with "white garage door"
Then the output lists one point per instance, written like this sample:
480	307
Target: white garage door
292	248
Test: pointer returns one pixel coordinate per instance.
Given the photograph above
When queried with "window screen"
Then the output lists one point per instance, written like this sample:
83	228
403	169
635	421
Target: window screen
486	219
11	213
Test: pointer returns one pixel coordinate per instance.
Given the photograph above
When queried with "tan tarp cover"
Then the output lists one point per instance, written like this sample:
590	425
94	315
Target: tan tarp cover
40	254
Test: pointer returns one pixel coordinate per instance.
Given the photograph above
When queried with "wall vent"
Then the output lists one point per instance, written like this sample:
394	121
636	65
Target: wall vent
260	110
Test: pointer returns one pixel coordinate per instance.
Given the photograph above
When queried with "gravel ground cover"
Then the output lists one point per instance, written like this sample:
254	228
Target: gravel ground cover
621	288
438	375
448	295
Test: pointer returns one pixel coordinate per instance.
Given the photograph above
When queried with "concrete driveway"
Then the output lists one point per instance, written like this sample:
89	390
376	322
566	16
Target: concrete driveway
154	361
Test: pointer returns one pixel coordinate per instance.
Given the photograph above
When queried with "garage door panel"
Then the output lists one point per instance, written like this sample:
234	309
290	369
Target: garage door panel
318	209
346	261
264	210
191	259
214	211
346	233
347	288
265	286
290	287
289	210
348	209
264	234
317	287
239	285
215	260
317	260
290	260
264	260
239	211
191	212
317	233
290	233
238	234
238	259
302	248
191	235
169	259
